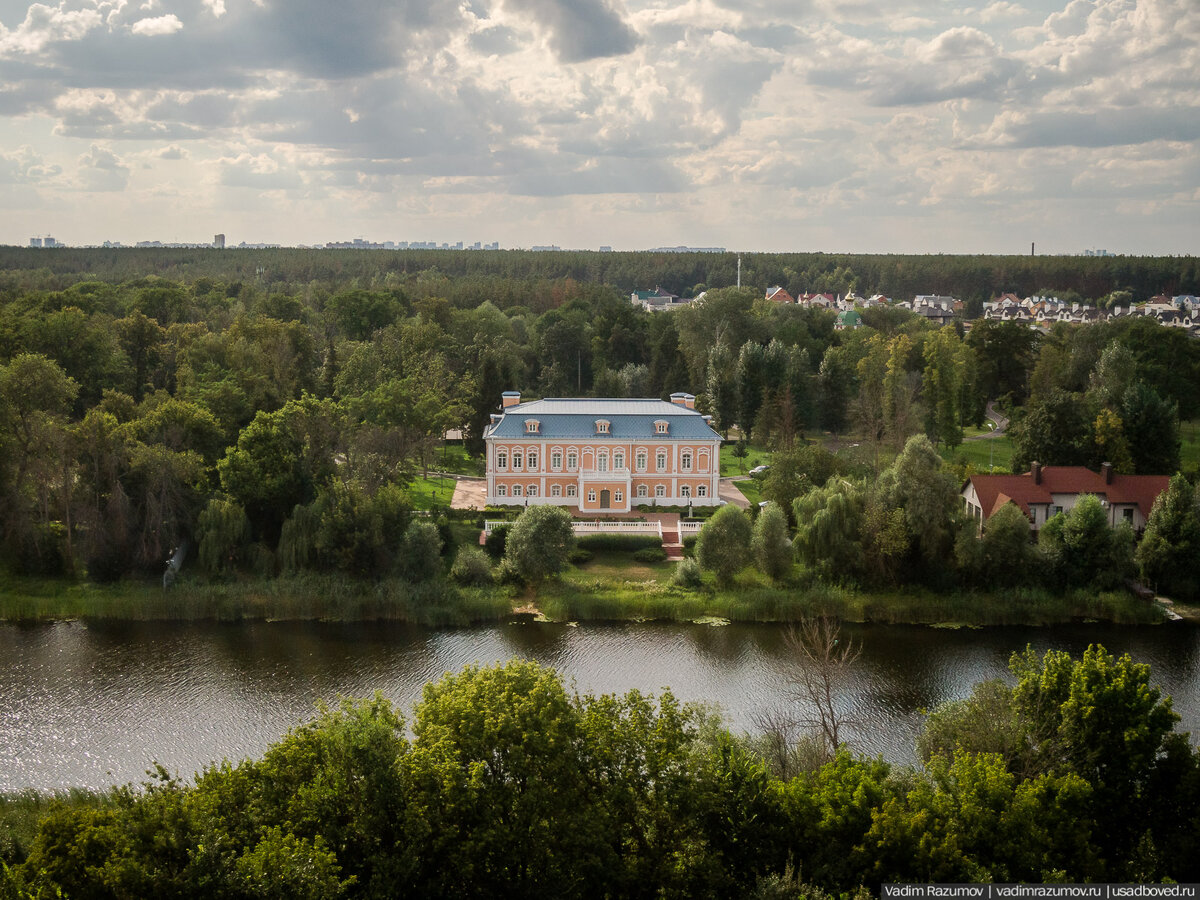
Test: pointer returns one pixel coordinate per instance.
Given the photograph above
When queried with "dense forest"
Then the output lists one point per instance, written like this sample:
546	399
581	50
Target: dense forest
506	784
269	407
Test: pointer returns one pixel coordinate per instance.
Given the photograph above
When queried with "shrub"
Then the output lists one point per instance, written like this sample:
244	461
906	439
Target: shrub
495	542
619	542
724	544
540	542
471	568
687	575
579	556
650	554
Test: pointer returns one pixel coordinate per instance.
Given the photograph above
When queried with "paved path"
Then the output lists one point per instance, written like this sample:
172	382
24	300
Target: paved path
730	494
469	493
998	418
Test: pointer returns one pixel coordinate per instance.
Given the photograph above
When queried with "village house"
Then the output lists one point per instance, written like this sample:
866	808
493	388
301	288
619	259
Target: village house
1045	491
780	295
602	455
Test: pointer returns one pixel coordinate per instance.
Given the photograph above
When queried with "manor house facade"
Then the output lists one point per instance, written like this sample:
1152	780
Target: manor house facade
602	455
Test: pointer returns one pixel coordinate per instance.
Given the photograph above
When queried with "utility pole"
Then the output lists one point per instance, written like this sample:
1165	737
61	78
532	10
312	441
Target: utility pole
739	283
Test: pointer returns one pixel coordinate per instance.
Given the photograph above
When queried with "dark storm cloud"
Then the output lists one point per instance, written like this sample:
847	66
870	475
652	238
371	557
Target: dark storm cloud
579	29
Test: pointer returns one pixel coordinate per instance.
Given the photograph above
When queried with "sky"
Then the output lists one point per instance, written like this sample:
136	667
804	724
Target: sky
873	126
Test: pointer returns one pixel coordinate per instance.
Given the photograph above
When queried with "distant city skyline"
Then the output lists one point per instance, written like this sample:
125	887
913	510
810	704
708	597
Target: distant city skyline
907	126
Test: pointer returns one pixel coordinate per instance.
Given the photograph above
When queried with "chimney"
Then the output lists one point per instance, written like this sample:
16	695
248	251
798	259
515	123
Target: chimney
689	400
680	399
510	398
1107	472
1036	470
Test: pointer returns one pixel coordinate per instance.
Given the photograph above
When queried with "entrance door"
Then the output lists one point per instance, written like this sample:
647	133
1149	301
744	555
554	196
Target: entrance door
604	499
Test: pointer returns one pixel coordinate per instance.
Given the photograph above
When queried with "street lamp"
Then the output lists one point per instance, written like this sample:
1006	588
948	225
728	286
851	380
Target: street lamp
991	443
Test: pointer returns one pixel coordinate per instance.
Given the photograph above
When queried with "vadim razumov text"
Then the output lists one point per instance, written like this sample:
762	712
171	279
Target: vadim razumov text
1034	891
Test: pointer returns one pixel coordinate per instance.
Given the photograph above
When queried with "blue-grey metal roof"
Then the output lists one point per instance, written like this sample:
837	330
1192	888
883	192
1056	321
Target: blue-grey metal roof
575	419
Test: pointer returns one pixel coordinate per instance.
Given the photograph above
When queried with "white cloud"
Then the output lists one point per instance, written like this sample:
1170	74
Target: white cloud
45	25
100	169
157	26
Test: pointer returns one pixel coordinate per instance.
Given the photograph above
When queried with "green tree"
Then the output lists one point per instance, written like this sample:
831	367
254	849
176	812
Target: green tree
540	542
1170	546
770	543
1083	549
723	545
1151	430
223	532
943	385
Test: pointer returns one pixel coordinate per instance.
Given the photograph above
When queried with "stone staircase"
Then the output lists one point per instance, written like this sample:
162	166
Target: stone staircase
672	544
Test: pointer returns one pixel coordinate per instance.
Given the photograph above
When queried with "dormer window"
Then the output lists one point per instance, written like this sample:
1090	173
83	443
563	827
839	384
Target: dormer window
602	426
660	427
532	426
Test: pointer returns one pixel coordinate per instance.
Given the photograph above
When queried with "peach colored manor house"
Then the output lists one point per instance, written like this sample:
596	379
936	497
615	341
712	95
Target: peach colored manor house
602	454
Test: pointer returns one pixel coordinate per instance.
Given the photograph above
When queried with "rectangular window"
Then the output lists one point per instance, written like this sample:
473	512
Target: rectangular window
1128	514
702	491
618	497
501	490
556	460
502	460
570	490
660	460
572	460
687	461
591	496
641	461
556	491
660	490
619	459
532	491
685	491
533	459
517	459
641	490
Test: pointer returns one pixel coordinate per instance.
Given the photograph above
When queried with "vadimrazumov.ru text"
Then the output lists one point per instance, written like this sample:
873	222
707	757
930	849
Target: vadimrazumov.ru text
1035	891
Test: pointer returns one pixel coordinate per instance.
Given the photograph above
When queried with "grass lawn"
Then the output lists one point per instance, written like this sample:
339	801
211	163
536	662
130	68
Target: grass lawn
1189	450
751	489
454	458
996	452
431	493
731	465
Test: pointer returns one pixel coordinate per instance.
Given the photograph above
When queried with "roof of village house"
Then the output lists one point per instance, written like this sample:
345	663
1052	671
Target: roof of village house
575	419
996	490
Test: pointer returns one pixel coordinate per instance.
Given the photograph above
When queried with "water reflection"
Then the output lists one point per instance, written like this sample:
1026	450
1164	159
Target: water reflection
98	704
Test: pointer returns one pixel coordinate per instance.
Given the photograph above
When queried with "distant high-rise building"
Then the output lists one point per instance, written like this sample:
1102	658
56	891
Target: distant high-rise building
35	242
219	241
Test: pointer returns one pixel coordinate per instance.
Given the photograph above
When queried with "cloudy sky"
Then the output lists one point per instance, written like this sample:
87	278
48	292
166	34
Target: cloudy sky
856	125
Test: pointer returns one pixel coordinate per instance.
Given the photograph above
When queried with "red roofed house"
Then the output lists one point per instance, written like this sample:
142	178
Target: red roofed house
1046	490
779	295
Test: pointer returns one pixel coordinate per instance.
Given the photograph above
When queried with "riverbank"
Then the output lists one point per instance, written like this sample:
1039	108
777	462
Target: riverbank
595	592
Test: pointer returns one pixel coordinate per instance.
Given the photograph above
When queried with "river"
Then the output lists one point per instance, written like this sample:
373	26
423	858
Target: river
93	705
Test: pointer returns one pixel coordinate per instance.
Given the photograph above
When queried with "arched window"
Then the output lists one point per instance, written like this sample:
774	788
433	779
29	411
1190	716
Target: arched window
516	490
702	490
556	460
685	491
641	460
660	490
517	459
572	460
501	490
502	459
618	459
641	490
533	460
531	491
556	490
571	490
686	460
660	460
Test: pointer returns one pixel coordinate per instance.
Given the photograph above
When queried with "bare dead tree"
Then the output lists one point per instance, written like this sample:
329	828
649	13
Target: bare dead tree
823	662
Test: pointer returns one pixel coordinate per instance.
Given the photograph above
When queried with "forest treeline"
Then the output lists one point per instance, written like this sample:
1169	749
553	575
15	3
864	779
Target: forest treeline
506	784
274	426
970	278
